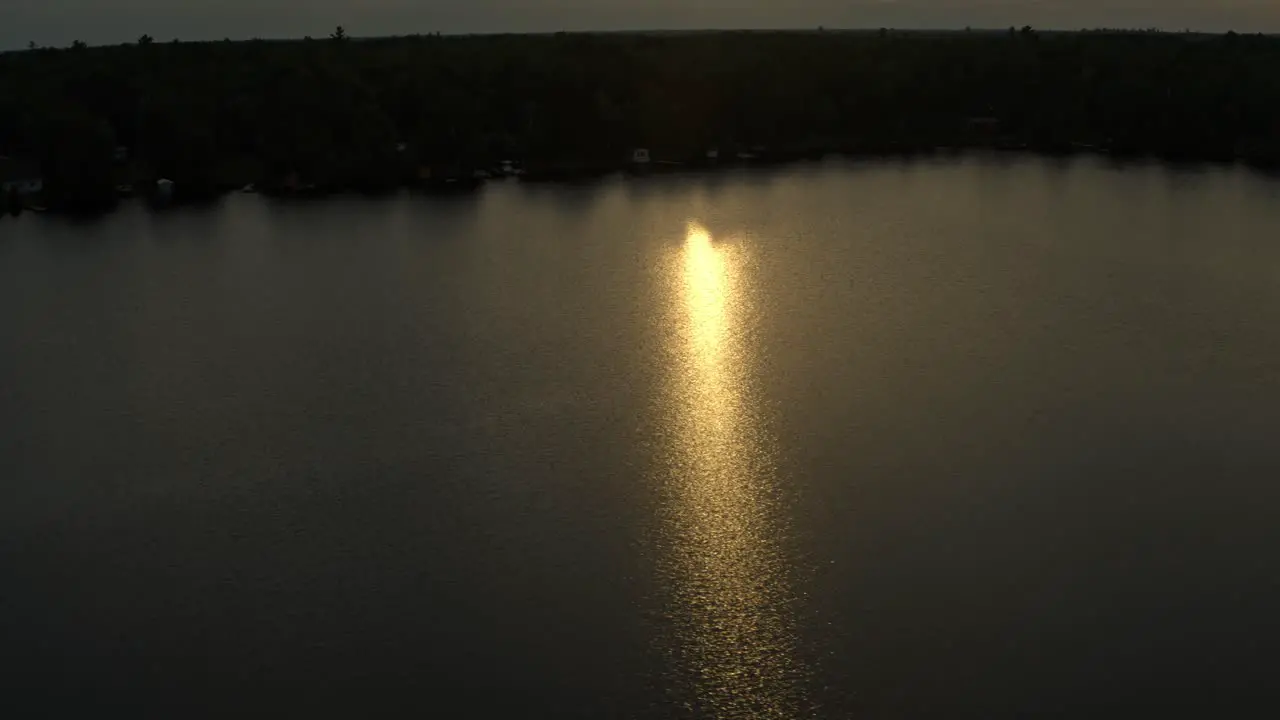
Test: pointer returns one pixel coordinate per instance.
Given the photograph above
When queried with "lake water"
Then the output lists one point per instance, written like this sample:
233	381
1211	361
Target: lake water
978	437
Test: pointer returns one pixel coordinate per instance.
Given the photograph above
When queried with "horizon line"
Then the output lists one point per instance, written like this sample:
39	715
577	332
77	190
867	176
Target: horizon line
671	31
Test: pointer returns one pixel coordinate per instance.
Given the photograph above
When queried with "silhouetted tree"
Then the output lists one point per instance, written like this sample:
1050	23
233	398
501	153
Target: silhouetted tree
340	34
77	167
146	40
224	114
13	202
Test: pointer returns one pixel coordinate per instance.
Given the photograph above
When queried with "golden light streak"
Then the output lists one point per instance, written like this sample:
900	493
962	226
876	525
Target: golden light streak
730	591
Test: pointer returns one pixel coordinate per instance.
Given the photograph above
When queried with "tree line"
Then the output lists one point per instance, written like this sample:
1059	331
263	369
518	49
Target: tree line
345	113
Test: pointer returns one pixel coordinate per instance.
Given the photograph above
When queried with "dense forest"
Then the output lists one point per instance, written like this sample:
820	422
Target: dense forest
342	113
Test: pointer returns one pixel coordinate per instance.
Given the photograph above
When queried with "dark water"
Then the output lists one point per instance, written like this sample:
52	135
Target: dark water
974	438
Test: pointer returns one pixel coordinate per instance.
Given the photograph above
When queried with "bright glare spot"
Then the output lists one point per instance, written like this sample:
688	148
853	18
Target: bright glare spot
707	296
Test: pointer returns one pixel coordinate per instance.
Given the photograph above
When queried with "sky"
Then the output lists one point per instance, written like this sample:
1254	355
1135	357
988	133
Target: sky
59	22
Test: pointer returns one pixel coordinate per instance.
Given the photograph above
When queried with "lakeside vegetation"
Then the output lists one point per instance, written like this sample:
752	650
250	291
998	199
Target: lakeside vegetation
337	113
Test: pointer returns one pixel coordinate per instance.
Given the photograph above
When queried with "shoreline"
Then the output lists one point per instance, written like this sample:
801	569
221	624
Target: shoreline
570	173
577	174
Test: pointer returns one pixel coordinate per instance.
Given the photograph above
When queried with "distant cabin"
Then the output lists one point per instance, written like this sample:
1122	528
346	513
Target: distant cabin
20	177
640	156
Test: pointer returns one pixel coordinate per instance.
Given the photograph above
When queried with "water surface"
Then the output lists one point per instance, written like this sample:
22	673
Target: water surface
976	437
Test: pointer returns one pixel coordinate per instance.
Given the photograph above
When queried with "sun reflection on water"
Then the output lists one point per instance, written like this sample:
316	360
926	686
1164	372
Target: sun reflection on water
735	638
